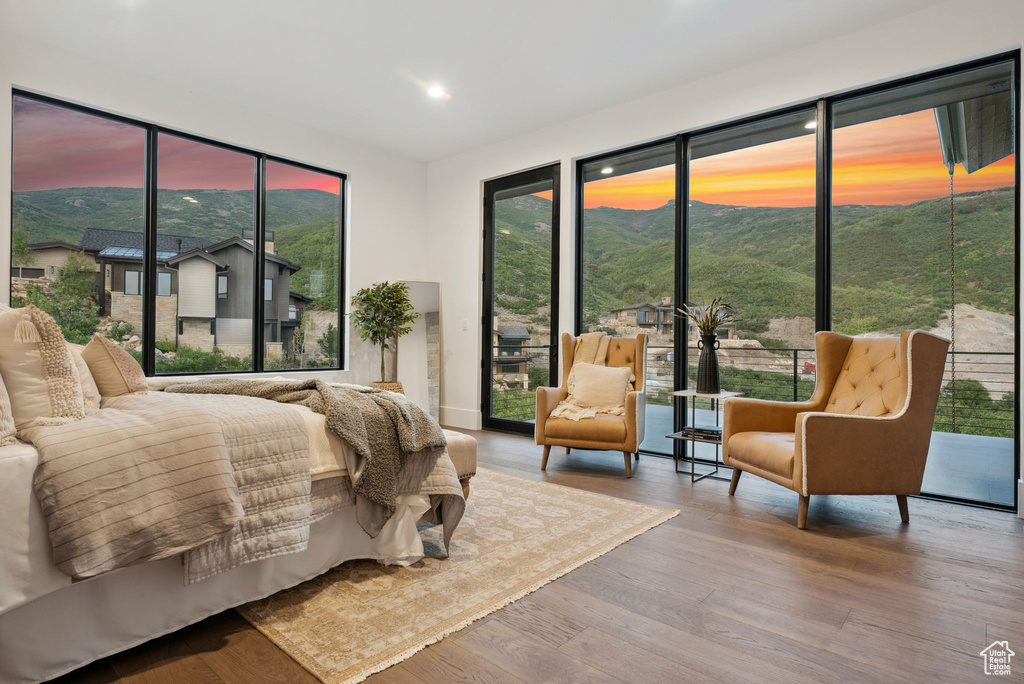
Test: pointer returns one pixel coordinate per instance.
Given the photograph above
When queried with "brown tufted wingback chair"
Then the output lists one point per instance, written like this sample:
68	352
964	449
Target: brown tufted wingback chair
618	433
865	430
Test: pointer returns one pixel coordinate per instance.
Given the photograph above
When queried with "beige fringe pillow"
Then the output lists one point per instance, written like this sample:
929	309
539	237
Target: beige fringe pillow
601	388
115	371
38	370
7	428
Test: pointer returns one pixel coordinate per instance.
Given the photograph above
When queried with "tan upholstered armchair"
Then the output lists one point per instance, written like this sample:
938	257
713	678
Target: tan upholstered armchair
865	430
606	432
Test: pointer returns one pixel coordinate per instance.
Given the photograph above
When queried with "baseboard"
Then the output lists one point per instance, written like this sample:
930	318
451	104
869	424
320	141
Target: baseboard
466	419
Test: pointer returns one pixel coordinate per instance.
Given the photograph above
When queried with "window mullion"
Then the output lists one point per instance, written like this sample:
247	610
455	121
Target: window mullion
259	265
149	256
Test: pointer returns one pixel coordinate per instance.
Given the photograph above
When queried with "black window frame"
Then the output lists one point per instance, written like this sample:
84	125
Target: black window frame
149	267
222	278
268	289
822	106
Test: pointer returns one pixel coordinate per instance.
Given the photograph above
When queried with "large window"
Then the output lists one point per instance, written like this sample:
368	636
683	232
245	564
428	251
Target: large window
302	325
751	239
85	210
628	232
75	177
888	209
923	236
205	200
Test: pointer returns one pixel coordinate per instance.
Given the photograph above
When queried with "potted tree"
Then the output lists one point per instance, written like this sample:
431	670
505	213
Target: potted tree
383	313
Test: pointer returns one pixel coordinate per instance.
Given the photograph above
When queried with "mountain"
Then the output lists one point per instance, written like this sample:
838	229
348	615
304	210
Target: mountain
304	221
65	213
890	262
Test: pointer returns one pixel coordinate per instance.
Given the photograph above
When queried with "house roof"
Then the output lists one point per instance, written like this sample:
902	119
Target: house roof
98	239
513	332
200	253
645	305
223	244
299	295
49	244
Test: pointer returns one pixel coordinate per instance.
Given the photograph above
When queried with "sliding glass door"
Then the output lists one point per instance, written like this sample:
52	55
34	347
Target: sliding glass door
923	236
750	240
888	209
520	322
628	244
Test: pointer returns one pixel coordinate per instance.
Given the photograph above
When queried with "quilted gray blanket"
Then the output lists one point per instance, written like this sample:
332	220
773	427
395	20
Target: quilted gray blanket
384	430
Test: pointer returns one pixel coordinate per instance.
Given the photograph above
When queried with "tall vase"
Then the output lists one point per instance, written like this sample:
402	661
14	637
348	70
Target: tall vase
708	380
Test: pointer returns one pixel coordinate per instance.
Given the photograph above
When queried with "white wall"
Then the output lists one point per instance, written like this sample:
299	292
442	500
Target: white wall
945	35
387	228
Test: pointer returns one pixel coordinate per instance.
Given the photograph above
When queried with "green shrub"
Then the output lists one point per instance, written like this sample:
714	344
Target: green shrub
119	331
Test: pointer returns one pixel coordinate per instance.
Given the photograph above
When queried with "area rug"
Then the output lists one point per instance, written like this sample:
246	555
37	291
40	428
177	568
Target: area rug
517	535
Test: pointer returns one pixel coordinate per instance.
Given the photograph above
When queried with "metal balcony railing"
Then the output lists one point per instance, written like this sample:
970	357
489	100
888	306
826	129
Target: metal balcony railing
982	402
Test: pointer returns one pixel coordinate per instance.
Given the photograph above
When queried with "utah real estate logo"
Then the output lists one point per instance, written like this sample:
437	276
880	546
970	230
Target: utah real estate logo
997	658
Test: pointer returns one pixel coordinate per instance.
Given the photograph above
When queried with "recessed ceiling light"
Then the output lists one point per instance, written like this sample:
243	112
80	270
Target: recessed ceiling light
437	91
189	199
606	170
810	125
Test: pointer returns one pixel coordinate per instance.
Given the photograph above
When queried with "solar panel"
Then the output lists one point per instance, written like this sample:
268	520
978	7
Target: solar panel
132	253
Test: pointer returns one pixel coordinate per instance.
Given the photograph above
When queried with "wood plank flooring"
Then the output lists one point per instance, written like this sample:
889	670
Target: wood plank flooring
729	590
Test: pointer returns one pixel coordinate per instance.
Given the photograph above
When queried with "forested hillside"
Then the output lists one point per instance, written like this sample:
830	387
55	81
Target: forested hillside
890	267
65	213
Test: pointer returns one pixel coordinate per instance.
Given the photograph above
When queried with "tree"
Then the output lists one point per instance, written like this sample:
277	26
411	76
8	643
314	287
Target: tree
21	255
383	313
328	342
69	299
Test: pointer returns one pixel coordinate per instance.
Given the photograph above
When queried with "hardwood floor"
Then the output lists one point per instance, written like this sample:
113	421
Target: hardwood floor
729	590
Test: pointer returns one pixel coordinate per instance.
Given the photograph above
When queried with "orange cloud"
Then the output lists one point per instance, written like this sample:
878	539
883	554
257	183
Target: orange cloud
890	161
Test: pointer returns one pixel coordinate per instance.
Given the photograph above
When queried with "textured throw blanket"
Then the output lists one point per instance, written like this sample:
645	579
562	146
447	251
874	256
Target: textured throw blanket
383	429
124	487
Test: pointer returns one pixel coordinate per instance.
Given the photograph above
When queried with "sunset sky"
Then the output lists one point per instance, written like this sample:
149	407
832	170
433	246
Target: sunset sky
60	148
890	161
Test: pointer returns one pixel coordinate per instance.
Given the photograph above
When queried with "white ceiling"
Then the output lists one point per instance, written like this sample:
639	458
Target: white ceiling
358	68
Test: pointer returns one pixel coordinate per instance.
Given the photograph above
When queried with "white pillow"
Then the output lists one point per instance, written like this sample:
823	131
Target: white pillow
602	388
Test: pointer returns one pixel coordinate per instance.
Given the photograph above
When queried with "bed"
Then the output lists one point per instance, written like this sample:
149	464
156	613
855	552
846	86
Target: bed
88	619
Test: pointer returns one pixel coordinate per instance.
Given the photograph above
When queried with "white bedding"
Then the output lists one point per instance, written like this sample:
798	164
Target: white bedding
77	624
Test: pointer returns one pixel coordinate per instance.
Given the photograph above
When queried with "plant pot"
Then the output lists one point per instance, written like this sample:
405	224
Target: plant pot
395	387
708	379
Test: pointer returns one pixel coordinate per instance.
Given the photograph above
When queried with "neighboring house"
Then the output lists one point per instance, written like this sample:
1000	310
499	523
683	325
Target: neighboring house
297	303
657	315
48	258
511	362
203	290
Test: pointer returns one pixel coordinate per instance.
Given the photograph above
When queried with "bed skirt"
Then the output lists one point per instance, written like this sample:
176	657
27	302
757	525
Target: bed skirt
73	626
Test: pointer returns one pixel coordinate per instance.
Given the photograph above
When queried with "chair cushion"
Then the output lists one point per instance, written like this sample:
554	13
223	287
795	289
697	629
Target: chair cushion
871	382
462	450
771	451
601	428
602	388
